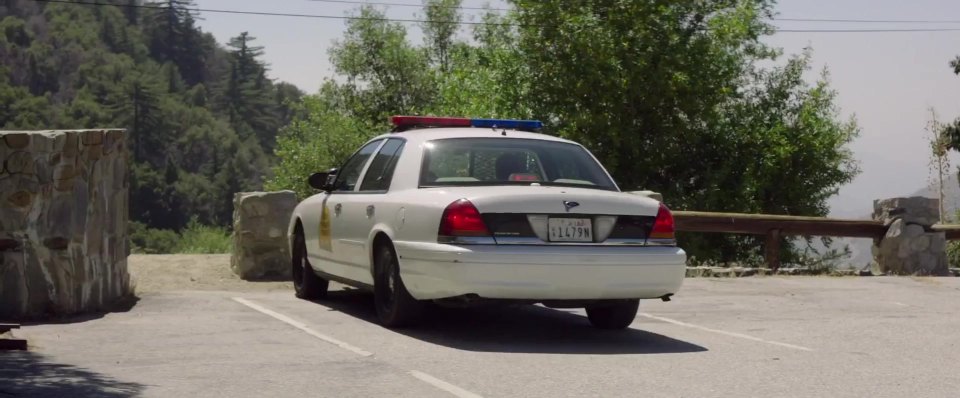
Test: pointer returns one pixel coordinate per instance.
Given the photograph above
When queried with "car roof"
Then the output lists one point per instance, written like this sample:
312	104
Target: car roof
419	136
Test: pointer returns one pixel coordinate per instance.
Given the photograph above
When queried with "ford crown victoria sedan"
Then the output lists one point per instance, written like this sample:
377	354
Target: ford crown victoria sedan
460	211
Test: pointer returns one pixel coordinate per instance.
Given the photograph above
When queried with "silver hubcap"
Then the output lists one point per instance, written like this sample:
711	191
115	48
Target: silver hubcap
391	283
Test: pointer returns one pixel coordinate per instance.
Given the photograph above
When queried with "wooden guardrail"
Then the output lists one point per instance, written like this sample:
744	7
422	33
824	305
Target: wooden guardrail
951	231
776	226
762	224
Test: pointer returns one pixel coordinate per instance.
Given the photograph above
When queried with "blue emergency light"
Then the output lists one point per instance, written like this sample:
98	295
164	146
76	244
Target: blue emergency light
507	124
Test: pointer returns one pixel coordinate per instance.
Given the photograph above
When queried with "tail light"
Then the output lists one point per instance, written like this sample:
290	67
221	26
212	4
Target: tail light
462	219
663	228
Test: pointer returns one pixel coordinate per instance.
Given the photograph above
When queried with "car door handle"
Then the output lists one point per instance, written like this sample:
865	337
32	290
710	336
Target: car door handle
336	209
370	210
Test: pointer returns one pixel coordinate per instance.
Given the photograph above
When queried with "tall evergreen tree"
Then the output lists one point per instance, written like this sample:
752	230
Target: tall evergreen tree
131	10
250	101
174	37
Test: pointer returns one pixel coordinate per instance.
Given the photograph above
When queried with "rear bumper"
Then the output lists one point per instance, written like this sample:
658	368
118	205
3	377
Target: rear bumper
433	271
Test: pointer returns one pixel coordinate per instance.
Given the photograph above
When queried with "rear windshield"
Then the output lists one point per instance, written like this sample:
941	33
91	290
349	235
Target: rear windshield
509	161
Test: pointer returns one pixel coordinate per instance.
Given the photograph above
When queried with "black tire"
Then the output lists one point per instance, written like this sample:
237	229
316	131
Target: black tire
306	284
396	308
617	314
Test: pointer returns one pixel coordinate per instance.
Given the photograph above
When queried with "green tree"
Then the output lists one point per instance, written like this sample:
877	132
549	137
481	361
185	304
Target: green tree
287	96
486	80
174	37
442	23
669	97
251	102
384	74
320	137
131	10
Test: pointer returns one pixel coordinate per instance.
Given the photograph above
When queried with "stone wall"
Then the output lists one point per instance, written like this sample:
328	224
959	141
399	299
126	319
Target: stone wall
260	247
909	247
63	222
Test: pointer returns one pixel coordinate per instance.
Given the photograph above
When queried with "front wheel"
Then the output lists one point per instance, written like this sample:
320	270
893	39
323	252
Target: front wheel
613	315
395	306
306	284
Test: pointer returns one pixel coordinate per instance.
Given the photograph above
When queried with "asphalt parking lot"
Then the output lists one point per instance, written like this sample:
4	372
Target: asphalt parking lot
761	336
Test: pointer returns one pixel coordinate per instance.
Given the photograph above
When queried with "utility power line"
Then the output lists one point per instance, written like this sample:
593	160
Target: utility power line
831	20
276	14
378	3
320	16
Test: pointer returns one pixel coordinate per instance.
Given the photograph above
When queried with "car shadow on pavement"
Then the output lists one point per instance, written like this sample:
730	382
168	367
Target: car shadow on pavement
515	329
29	374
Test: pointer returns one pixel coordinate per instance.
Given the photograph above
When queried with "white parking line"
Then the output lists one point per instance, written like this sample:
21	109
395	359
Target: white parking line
433	381
723	332
450	388
301	326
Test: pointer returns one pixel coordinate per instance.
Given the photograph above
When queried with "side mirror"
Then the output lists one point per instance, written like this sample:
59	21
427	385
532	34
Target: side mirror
323	180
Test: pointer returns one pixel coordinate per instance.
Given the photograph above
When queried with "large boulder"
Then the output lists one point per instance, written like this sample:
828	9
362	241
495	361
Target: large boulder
63	222
260	246
912	210
909	246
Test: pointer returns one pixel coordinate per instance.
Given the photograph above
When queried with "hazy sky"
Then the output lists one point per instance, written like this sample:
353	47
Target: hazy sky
888	81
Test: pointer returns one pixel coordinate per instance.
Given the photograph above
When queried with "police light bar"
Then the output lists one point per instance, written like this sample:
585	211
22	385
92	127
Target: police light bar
401	123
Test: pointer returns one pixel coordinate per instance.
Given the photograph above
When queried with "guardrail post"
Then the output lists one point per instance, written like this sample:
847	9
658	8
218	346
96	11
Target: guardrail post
772	249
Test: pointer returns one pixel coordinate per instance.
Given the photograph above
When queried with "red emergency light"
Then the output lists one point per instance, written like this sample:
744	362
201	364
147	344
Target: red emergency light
430	121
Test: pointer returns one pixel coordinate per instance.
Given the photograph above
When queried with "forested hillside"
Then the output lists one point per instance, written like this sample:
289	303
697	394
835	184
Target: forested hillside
202	117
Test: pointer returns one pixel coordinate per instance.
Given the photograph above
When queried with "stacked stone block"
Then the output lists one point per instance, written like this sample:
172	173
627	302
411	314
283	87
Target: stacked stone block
260	244
63	221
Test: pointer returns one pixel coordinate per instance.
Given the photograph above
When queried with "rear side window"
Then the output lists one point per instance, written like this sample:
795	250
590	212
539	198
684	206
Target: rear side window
510	161
380	172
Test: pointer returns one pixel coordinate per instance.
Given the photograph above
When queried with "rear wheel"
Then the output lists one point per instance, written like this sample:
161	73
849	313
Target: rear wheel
306	283
395	306
617	314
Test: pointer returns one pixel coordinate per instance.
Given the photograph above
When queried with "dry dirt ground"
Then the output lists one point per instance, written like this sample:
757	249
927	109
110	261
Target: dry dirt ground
169	272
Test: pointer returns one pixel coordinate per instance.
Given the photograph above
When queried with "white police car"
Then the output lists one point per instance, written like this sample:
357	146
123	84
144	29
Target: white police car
458	211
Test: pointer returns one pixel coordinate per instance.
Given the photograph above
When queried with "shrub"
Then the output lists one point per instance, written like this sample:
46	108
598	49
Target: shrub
146	240
203	239
195	239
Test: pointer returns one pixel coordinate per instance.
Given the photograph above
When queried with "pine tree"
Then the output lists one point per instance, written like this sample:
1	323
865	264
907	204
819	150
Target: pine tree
131	10
175	38
139	110
249	98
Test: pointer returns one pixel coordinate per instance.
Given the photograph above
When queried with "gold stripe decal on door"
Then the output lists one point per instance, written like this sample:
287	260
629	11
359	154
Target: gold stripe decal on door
325	228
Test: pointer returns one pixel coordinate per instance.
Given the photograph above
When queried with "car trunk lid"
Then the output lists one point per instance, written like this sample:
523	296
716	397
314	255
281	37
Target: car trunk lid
563	215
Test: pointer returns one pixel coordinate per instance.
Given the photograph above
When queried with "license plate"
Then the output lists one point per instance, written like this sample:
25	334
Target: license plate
570	230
